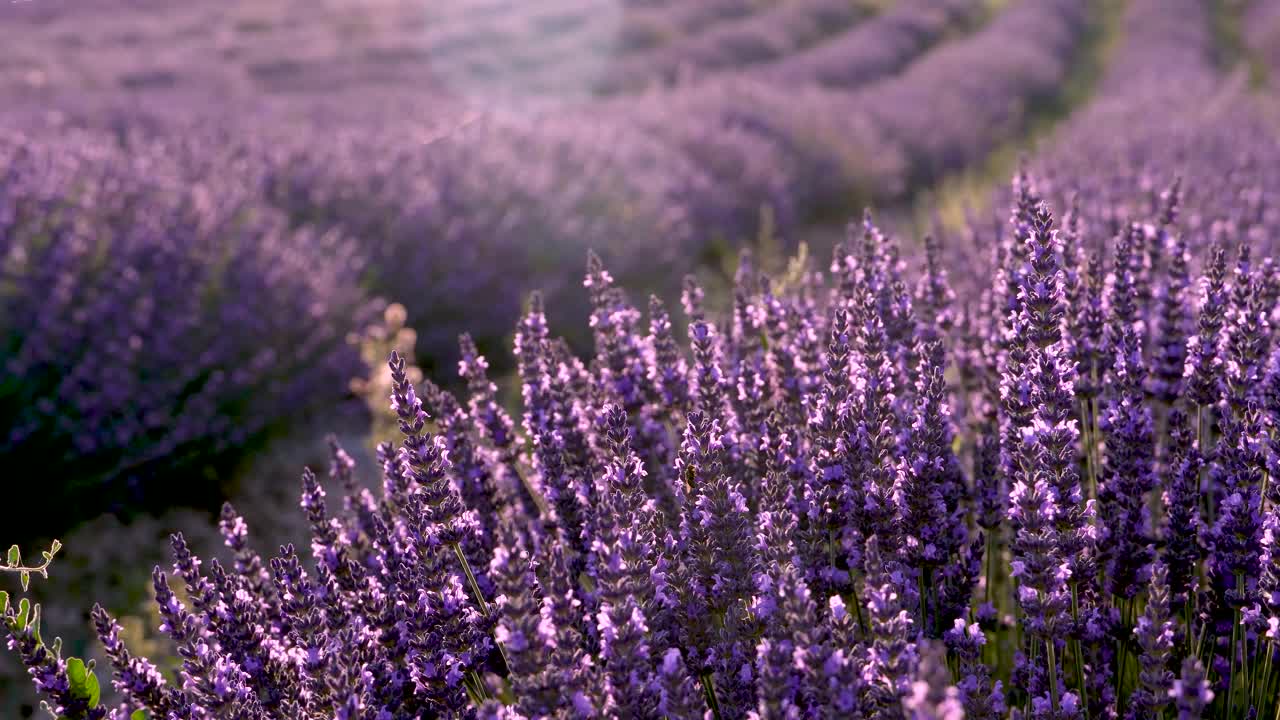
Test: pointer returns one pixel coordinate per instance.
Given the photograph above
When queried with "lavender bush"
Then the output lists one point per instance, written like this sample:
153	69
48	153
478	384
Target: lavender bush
850	497
148	324
876	48
778	31
671	172
433	189
1112	164
980	89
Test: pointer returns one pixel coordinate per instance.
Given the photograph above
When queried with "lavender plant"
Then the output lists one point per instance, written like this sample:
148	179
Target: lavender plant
766	525
149	323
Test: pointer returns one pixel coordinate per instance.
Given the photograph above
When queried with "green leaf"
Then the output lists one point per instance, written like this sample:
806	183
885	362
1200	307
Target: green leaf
25	578
4	601
24	607
15	556
138	715
95	690
57	545
78	677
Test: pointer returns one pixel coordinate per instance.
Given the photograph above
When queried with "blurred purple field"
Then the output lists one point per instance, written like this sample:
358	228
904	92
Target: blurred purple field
219	217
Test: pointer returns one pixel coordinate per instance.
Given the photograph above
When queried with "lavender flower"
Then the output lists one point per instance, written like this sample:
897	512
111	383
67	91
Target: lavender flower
979	696
136	678
928	494
1191	692
1155	637
667	372
1182	506
1128	464
932	696
1203	370
1169	361
890	654
1247	335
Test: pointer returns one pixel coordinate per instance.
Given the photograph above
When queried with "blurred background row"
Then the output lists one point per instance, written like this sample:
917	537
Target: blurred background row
217	217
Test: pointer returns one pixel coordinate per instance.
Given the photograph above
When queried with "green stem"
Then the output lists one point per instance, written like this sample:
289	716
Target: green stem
1266	673
1200	643
1254	668
709	688
1053	674
857	608
991	564
1086	438
475	687
479	596
1122	654
1075	650
1231	674
471	578
1035	660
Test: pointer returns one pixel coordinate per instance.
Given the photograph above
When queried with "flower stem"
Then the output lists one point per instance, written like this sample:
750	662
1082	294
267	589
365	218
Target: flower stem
1081	683
471	578
709	688
1231	673
1053	673
479	596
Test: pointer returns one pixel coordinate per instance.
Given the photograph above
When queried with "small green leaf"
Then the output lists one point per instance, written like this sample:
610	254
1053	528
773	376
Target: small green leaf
25	578
15	556
77	677
95	690
138	715
24	607
57	545
4	601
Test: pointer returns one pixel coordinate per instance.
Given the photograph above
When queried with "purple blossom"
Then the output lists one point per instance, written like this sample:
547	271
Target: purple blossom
783	518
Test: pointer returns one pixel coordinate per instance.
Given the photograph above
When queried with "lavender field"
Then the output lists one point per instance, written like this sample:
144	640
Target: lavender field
587	359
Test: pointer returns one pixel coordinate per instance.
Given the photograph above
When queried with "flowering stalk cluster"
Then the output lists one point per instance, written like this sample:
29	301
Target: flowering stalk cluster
789	518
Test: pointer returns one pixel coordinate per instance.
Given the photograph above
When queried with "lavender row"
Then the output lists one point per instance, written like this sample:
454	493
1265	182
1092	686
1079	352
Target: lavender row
243	50
652	24
945	111
652	182
148	321
1164	44
877	48
856	494
1111	161
776	32
490	209
960	101
668	172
